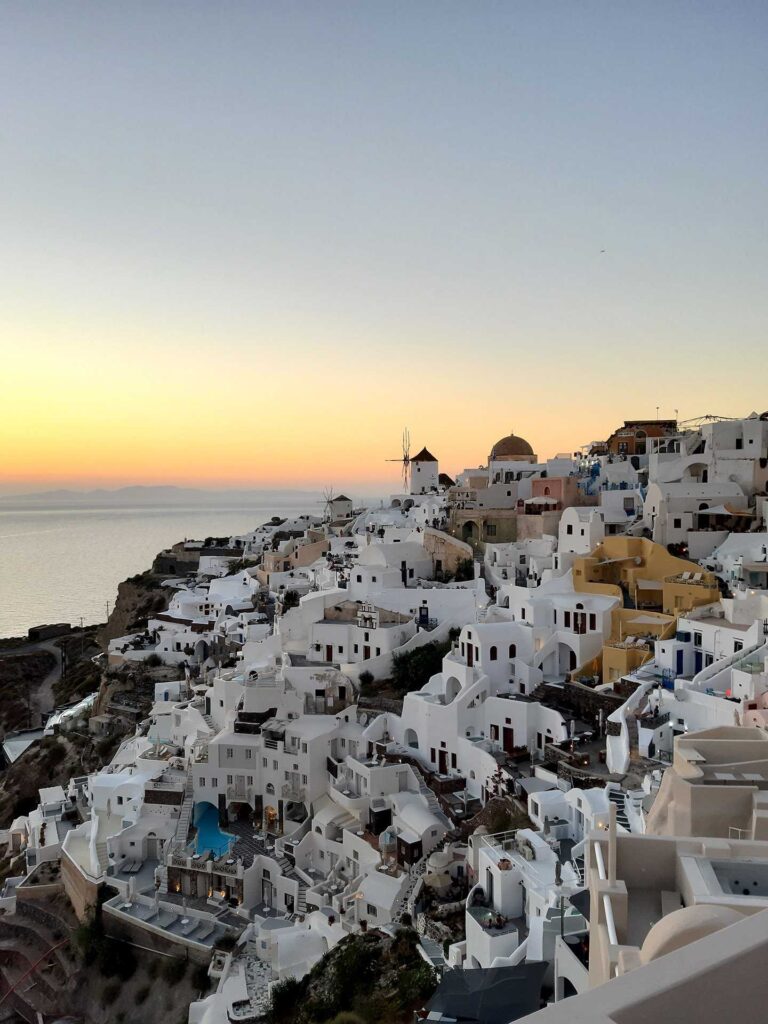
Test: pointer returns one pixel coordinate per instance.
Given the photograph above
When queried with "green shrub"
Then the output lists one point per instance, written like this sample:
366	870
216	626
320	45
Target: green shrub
286	996
465	570
412	669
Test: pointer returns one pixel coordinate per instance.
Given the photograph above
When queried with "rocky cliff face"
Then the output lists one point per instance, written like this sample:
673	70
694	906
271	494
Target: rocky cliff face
137	599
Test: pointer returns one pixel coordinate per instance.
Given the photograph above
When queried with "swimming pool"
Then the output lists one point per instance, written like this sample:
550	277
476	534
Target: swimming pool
209	835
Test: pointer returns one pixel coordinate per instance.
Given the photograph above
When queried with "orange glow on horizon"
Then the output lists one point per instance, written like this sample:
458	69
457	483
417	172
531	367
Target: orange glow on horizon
145	409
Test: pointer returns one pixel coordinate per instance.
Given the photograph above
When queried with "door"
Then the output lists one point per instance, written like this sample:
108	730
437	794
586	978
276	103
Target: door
508	739
679	662
470	655
366	653
266	892
697	661
329	652
443	762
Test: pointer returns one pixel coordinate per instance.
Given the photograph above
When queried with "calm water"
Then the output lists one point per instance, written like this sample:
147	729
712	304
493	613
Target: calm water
59	564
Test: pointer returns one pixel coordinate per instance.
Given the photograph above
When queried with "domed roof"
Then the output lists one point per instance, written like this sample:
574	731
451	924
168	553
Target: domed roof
511	447
685	925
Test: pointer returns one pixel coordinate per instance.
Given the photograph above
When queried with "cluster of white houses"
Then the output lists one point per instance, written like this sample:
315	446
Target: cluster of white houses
603	622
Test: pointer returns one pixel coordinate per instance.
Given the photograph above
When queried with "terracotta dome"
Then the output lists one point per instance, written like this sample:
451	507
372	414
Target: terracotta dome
512	447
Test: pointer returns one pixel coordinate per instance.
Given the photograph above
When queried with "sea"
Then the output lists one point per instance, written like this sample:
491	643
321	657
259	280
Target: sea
64	564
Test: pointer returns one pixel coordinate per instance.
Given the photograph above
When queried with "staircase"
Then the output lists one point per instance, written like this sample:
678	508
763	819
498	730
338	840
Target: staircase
426	792
103	856
286	869
185	815
209	722
616	796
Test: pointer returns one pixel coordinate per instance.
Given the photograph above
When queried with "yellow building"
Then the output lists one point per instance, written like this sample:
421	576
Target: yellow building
646	575
657	587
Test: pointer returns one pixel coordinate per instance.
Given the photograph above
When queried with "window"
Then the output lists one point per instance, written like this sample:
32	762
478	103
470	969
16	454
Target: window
370	910
263	762
248	753
490	529
592	621
356	648
493	654
378	651
120	800
697	639
453	761
569	529
274	766
359	579
202	782
513	650
230	753
214	782
567	620
432	754
677	523
249	780
737	646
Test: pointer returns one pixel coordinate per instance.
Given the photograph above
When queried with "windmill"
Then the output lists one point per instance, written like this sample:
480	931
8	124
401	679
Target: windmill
405	460
327	503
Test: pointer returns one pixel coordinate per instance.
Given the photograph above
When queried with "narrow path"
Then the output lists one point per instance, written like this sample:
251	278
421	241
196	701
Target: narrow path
42	700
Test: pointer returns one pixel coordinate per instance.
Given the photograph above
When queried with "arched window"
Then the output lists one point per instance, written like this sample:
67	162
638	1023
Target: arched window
513	650
493	654
546	492
270	787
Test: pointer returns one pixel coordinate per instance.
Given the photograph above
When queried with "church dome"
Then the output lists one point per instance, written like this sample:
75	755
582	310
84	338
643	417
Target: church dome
512	447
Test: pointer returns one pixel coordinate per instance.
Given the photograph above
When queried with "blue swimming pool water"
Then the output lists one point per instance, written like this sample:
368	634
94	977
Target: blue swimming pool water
209	835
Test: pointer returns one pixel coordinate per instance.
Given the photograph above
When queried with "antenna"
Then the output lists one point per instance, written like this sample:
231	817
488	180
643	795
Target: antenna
405	459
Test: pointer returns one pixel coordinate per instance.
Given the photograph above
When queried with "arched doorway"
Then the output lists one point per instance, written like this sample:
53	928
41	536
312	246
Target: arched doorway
470	531
452	688
411	739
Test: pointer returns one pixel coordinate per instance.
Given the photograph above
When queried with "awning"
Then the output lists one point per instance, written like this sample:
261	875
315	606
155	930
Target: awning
725	510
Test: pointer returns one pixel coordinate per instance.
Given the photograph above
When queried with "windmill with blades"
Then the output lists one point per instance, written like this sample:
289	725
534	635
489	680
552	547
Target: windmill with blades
405	460
327	503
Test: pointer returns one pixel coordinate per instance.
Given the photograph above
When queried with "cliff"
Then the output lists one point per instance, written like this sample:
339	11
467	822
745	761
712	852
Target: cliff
138	598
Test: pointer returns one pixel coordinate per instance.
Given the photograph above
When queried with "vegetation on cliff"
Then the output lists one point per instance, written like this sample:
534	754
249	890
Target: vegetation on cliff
368	978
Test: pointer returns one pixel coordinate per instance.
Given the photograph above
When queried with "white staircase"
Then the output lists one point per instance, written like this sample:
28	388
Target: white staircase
185	815
103	856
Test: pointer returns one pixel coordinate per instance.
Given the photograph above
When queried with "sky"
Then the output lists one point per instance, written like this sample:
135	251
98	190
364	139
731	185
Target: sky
245	244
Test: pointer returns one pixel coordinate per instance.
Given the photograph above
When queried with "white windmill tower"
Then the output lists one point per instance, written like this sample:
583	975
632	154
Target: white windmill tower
405	459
